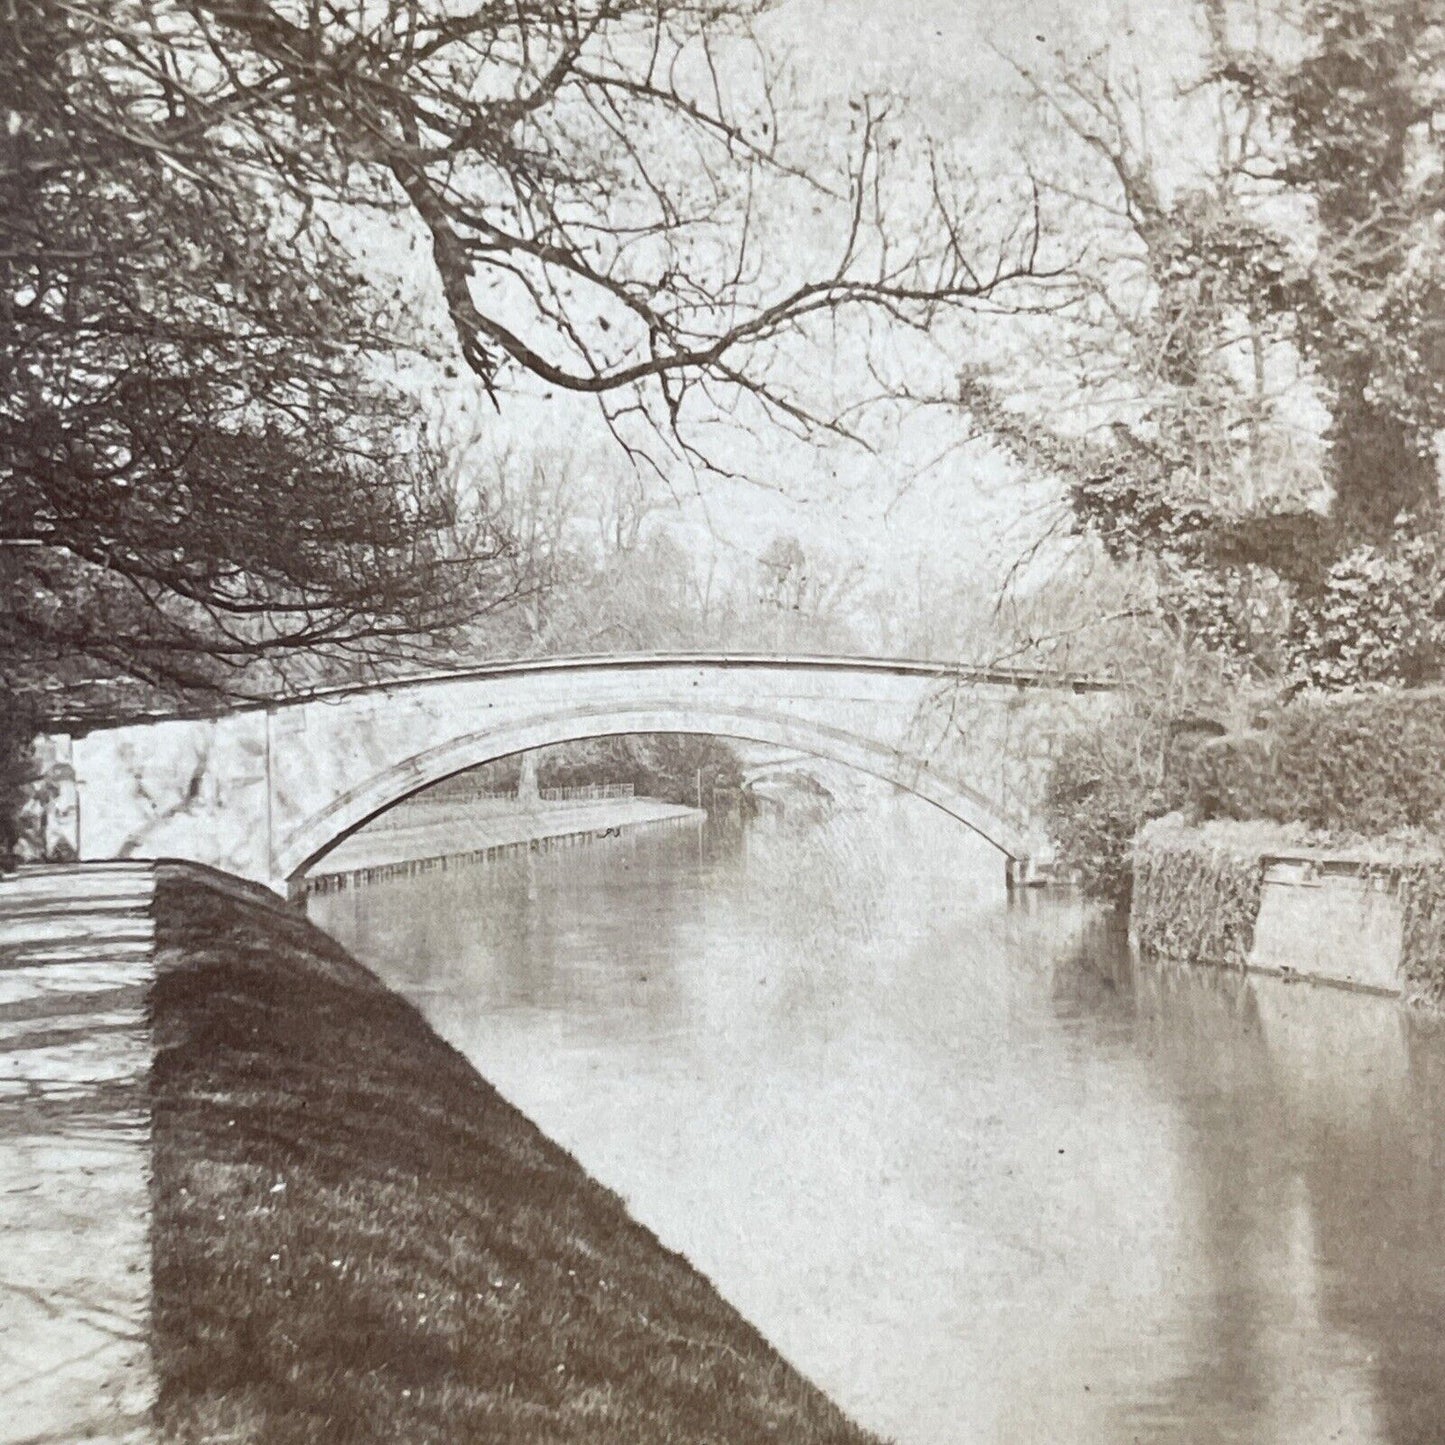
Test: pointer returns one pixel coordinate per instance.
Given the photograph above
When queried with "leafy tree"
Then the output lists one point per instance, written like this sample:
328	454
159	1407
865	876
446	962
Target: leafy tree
1359	122
1232	286
1376	618
207	474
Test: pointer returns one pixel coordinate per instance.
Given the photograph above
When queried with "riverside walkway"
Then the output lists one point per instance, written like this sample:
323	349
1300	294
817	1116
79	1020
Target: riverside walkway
419	834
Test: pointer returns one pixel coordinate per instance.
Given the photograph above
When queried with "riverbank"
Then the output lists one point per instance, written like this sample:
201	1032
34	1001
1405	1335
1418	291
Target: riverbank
356	1238
419	834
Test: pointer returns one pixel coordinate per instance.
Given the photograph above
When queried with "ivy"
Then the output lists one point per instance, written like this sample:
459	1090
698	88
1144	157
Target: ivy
1378	617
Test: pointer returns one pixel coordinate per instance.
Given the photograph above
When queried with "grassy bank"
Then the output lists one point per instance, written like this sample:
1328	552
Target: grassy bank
357	1239
440	831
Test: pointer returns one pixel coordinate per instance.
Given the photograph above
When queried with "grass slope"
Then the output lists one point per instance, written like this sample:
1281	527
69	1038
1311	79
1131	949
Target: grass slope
357	1239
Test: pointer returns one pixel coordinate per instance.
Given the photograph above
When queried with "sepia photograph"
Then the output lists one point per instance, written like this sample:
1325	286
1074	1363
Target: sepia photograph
722	722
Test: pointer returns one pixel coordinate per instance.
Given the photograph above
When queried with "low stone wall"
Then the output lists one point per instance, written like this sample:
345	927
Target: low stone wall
1220	895
1340	920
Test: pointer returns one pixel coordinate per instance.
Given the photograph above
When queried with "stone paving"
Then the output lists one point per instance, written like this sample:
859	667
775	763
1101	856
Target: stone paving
75	1055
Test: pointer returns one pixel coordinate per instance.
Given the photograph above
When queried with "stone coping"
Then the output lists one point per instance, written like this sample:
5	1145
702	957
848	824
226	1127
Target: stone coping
1305	868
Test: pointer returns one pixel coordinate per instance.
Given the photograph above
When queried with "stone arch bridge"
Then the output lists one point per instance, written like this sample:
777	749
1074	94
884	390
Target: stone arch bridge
266	791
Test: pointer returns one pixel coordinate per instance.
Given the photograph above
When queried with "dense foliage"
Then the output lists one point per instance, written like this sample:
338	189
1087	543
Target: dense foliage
1195	897
1347	766
1358	119
1256	335
17	770
1258	339
673	767
1422	942
205	461
1376	616
1105	782
1366	764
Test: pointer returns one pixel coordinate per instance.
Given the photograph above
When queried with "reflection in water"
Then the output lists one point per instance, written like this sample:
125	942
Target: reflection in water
972	1168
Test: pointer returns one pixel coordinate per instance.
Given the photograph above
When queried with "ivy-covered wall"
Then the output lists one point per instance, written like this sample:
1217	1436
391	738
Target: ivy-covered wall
1196	895
1422	951
1198	890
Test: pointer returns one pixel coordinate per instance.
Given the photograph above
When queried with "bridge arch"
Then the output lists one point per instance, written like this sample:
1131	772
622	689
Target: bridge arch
316	835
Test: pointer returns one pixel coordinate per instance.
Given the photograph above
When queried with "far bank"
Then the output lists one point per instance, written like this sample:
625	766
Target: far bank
452	829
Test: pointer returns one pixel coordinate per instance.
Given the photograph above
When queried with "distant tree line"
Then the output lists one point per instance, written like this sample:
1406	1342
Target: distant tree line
691	768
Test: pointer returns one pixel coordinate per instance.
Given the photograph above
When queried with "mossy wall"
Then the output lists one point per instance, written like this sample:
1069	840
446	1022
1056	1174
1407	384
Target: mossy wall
1198	891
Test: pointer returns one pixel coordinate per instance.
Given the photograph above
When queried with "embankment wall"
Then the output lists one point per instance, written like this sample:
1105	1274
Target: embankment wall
1222	894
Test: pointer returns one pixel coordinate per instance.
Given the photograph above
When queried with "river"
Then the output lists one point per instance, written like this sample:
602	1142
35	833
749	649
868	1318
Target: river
974	1170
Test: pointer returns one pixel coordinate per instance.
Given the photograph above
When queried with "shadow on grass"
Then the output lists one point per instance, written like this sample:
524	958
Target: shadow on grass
357	1239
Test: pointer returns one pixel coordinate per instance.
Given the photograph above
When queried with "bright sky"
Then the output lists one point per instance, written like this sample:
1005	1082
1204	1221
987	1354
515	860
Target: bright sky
922	500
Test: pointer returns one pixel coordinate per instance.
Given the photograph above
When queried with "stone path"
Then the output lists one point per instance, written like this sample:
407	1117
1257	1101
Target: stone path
75	1054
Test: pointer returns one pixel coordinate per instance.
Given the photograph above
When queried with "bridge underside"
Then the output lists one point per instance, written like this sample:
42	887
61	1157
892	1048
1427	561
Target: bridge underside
303	847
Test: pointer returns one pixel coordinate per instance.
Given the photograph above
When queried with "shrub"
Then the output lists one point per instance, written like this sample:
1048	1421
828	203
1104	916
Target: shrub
1358	765
1105	783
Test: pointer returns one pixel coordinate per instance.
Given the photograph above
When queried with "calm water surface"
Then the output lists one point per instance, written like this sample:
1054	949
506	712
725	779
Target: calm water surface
973	1170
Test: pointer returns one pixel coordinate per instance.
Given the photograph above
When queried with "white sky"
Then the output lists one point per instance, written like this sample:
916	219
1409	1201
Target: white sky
923	501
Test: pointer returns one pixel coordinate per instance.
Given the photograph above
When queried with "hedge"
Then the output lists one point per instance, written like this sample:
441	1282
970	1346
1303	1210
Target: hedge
1363	769
1341	769
1359	765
